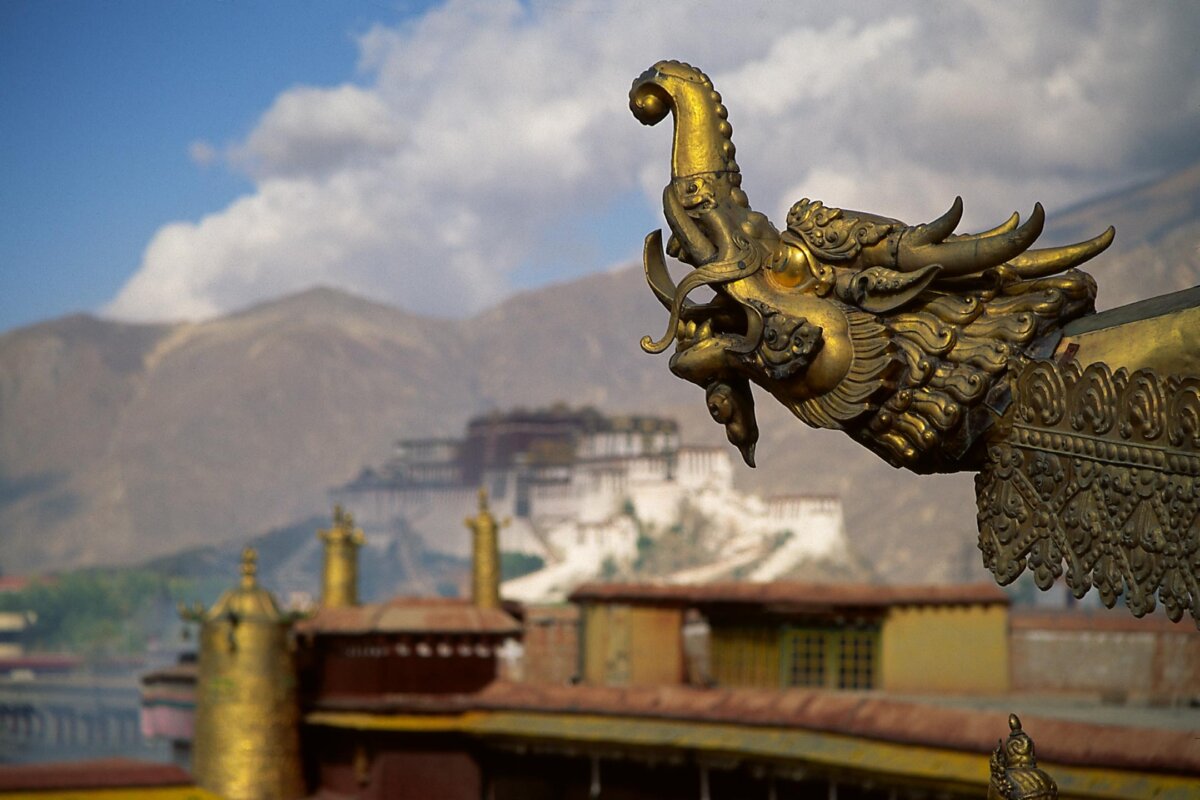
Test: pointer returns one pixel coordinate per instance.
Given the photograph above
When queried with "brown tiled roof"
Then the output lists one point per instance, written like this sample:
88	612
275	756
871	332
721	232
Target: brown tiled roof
111	773
848	713
410	615
790	595
1115	621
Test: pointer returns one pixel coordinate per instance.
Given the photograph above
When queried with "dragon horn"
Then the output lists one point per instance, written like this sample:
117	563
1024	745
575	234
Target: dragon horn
969	256
939	229
1039	263
1003	227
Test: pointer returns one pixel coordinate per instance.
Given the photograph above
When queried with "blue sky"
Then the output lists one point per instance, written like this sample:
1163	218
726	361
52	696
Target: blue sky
180	159
101	101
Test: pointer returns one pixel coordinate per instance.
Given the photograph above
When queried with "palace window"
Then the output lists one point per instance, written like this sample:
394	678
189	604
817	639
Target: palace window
804	658
856	665
833	658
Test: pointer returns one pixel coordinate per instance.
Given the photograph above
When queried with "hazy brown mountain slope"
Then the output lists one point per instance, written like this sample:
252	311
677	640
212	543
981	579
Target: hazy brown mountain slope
1157	249
578	342
127	441
118	442
64	387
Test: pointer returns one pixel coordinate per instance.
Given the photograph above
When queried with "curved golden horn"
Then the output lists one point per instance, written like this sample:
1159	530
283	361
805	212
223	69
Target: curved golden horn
1040	263
968	256
1003	227
939	229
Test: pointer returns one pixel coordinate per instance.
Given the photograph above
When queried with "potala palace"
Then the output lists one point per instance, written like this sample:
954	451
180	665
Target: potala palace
590	495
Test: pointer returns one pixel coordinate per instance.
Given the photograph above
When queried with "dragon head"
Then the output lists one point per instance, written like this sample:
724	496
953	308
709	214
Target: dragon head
716	232
851	320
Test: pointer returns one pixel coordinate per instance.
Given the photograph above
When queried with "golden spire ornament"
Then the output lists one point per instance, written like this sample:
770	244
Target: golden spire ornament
1015	774
339	573
485	550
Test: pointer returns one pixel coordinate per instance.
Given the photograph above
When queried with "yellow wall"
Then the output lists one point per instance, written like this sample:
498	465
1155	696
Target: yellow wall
745	655
945	649
656	644
595	642
631	646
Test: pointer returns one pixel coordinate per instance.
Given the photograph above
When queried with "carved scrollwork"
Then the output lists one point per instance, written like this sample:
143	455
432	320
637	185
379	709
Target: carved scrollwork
833	234
1042	386
1100	472
1183	415
1096	410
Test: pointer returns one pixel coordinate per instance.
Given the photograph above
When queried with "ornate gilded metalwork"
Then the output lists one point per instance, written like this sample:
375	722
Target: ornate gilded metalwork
1015	774
246	744
911	340
485	548
339	575
897	334
1101	471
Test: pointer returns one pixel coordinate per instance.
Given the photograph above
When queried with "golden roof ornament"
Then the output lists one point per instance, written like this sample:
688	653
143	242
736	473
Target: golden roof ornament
249	568
248	600
247	726
339	573
1015	774
894	333
485	554
925	346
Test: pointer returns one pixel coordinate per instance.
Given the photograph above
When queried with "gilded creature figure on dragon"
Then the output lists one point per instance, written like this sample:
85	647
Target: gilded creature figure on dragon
894	333
941	352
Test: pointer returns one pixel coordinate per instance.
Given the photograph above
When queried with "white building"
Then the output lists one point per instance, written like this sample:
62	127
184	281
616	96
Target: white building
579	490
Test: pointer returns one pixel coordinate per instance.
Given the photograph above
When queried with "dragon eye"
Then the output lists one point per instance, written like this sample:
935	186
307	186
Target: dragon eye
693	188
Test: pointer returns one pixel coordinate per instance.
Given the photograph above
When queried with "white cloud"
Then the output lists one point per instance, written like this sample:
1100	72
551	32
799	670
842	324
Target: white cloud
475	129
202	153
310	131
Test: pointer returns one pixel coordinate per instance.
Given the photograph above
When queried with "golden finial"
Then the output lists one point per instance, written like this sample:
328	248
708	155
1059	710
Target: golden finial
339	575
342	518
1015	773
485	547
249	567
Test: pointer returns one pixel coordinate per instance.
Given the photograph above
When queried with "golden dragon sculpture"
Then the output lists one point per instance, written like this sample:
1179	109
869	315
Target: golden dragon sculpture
894	333
917	342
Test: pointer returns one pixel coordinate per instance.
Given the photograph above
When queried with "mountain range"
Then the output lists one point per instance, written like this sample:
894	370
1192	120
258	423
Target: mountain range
122	442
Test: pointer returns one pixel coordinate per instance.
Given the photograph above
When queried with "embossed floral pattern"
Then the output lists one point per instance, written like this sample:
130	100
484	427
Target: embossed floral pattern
1100	473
